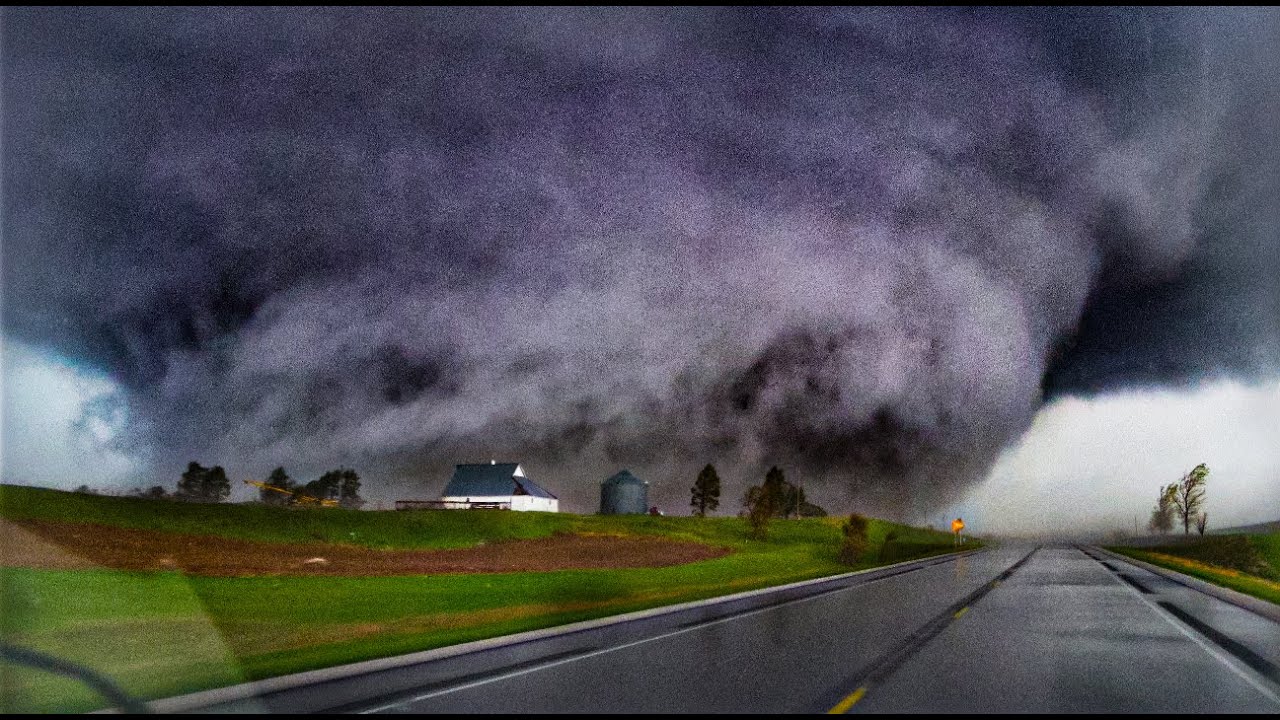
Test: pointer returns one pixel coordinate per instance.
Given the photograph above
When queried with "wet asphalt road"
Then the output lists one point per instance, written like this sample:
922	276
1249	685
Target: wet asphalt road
1011	629
1065	633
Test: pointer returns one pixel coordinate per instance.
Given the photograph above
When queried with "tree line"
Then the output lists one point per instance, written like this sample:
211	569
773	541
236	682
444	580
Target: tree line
342	485
1182	501
778	498
774	498
211	485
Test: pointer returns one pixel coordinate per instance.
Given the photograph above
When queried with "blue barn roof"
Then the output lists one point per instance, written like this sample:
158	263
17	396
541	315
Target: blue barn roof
491	480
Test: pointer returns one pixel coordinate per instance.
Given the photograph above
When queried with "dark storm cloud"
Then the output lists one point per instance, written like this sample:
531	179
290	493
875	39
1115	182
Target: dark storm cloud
850	242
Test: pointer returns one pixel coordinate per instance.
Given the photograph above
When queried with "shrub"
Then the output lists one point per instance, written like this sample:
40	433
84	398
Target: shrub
854	546
759	509
886	549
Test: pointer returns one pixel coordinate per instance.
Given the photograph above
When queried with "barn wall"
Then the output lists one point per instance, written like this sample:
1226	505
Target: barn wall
464	500
535	504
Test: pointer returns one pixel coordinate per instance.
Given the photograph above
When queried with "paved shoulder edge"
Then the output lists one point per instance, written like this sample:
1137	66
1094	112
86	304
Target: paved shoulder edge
1270	611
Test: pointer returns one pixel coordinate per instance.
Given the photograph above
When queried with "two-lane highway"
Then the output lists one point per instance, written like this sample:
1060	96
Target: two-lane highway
1009	629
1067	633
777	659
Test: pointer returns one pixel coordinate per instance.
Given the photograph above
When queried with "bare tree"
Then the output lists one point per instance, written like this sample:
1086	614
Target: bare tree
1189	498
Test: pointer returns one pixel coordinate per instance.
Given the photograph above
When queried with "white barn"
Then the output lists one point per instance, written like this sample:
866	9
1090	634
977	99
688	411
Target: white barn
501	485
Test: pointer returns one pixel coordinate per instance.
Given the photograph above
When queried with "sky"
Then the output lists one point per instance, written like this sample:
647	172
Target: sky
1096	465
915	257
59	422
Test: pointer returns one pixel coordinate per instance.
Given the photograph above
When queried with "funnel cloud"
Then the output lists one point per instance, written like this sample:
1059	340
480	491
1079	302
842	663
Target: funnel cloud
866	245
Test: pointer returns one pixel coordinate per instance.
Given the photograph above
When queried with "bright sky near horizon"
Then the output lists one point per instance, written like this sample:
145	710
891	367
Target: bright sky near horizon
1096	464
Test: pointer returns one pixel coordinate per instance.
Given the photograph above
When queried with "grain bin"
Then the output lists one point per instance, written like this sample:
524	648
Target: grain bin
624	494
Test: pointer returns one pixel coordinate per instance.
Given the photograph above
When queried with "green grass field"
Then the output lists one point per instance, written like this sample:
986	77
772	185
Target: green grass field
1247	563
165	633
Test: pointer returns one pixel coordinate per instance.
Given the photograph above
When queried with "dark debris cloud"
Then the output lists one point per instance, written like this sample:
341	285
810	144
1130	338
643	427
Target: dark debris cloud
864	244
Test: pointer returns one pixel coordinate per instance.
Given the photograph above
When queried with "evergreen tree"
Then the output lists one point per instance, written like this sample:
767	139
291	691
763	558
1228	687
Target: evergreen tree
217	487
201	484
706	491
785	499
277	479
349	489
342	485
191	484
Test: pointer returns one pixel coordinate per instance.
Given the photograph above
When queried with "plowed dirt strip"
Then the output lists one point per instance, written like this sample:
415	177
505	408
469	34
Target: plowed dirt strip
29	543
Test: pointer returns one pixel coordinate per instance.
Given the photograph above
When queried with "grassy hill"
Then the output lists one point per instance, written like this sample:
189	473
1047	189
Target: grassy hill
165	633
424	530
380	530
1249	563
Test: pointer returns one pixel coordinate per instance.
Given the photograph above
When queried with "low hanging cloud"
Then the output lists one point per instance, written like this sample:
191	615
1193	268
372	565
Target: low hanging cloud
1094	466
59	423
861	244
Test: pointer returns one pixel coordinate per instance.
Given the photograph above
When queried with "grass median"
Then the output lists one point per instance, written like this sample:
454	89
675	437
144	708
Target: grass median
1247	563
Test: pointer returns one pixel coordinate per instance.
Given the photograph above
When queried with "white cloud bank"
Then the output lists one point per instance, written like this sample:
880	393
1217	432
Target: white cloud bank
1096	464
59	422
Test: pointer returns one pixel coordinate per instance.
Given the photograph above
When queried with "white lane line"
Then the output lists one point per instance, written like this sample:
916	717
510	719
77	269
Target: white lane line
1243	671
634	643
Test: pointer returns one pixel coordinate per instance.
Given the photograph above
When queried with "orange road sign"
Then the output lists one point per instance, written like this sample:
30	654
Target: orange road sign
957	525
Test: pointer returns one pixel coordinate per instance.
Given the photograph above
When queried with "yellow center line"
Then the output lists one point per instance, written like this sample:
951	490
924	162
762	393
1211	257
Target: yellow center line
843	706
962	611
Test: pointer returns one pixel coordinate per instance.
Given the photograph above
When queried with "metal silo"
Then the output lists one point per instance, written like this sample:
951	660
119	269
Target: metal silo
624	494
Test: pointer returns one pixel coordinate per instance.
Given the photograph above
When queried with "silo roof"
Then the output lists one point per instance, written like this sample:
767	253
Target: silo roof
624	477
